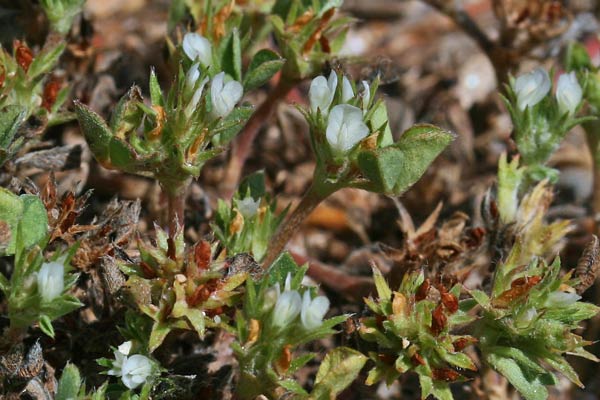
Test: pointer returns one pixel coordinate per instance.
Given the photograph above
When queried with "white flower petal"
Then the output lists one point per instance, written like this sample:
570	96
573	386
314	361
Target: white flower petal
197	48
224	96
313	311
125	347
248	206
287	308
345	127
531	88
136	369
568	93
50	280
347	91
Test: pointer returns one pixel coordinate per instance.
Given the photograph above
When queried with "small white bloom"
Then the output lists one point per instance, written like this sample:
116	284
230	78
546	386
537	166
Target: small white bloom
531	88
347	91
345	127
568	93
561	299
125	347
313	310
136	369
287	308
51	280
366	95
248	207
197	48
287	286
321	92
120	356
271	296
192	76
224	96
191	106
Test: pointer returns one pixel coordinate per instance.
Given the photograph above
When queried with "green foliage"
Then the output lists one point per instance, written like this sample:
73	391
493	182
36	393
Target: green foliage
60	13
25	216
528	324
272	323
69	384
247	226
414	333
181	288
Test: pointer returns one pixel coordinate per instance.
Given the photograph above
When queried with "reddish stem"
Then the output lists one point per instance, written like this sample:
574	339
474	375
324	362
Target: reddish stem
242	144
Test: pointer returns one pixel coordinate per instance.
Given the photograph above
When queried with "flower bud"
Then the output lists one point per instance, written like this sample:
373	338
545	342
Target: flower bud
287	308
321	93
224	96
561	299
192	76
50	280
531	88
345	127
366	95
568	93
248	206
197	48
191	106
347	91
313	311
136	369
120	357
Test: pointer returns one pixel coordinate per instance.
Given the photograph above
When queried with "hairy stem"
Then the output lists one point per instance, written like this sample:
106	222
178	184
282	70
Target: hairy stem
312	198
176	195
592	130
242	144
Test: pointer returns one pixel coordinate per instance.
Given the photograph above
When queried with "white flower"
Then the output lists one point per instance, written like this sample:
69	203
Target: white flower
568	93
224	96
347	91
345	127
525	318
248	207
192	76
191	106
287	308
561	299
321	92
120	356
313	311
366	95
197	48
51	280
531	88
135	370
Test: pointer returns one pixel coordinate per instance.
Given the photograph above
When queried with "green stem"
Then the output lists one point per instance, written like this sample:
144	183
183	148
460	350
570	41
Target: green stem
592	130
176	195
312	198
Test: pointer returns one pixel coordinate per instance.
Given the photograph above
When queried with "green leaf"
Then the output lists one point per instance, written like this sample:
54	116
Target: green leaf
263	66
337	371
229	126
46	326
281	267
45	61
253	184
393	169
529	386
156	94
231	61
11	118
293	386
69	383
28	213
96	132
160	330
383	289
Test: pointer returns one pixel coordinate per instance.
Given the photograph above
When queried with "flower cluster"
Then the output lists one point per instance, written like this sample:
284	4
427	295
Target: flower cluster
134	370
345	124
541	120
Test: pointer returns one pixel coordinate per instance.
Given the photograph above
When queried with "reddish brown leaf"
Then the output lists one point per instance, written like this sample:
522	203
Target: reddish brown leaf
438	320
